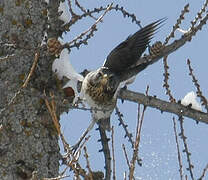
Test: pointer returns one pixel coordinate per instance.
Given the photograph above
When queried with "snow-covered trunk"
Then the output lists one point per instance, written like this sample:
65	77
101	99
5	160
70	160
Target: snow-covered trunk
28	139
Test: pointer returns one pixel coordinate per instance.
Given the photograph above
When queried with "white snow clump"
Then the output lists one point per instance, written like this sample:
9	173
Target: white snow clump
65	16
190	98
62	67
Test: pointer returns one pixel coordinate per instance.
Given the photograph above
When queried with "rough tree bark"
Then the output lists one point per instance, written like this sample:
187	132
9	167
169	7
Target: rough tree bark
28	139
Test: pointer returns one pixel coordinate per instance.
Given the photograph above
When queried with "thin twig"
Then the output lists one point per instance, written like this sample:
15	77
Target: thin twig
138	117
199	14
56	178
92	28
37	54
178	22
106	151
168	49
136	145
116	8
125	155
195	81
63	172
188	154
204	172
70	9
178	150
65	144
97	10
127	134
113	153
52	111
71	160
121	122
82	145
166	77
88	163
166	67
6	57
84	10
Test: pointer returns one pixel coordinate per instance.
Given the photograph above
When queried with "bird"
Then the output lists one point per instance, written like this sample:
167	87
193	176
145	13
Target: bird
99	90
100	87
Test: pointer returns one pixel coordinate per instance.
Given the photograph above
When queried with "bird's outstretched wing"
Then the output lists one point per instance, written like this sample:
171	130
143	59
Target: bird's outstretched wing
129	51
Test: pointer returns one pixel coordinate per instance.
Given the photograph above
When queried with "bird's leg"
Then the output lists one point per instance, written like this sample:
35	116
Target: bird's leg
76	146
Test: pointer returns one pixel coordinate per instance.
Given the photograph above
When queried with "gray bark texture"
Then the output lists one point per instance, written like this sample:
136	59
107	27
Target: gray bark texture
28	139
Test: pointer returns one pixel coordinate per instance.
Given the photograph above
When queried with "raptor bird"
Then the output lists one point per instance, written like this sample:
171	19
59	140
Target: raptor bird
100	87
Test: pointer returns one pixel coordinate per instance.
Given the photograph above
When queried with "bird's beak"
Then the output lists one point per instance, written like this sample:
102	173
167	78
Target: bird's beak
104	79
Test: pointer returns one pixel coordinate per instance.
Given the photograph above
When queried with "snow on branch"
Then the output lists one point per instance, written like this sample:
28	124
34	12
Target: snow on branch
163	106
63	68
190	99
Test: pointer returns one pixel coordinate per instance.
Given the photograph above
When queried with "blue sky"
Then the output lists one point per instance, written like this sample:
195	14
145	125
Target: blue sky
157	147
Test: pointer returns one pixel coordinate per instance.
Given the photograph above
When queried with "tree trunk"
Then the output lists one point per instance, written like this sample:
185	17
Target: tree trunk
28	139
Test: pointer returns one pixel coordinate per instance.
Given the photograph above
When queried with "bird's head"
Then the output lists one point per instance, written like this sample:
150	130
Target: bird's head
104	78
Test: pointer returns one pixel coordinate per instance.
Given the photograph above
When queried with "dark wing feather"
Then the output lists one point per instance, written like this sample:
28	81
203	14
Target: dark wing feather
129	51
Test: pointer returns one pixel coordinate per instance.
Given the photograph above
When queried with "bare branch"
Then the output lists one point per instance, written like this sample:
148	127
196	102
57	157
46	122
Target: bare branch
70	9
75	18
113	153
166	67
121	122
6	57
91	30
178	150
84	10
136	145
188	154
52	111
37	54
116	8
195	81
199	14
88	163
106	151
125	155
125	13
174	45
56	178
166	77
163	106
178	22
204	172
